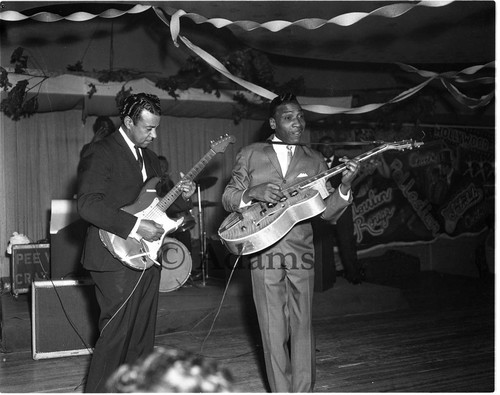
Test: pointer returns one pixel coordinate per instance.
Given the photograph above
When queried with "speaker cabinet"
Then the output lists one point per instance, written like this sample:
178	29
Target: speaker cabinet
65	314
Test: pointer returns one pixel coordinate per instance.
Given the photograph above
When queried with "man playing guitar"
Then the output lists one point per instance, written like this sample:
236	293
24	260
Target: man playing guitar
111	175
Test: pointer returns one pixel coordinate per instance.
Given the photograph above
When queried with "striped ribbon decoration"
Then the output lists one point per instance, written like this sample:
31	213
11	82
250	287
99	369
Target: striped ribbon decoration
349	19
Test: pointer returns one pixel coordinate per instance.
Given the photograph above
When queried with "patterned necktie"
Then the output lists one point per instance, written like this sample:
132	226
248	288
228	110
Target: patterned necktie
139	157
289	156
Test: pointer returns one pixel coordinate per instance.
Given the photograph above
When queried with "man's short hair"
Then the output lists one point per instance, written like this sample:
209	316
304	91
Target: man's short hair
279	100
104	125
133	105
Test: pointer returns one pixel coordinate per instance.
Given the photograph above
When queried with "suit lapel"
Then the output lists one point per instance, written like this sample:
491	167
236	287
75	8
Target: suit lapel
128	153
298	157
148	162
273	158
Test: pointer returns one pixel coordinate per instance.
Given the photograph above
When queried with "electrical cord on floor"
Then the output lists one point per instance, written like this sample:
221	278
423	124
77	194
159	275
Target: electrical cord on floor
220	304
217	312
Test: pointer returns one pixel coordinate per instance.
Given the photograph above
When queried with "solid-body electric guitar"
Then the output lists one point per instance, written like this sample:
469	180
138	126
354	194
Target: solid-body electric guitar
141	254
262	224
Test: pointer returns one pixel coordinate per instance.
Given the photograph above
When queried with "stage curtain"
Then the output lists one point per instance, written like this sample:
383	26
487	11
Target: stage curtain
39	157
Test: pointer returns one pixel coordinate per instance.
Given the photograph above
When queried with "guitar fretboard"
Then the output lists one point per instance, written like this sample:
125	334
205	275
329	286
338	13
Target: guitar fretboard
176	191
405	144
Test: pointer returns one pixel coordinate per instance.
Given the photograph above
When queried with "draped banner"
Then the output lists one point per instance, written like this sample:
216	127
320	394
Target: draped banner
444	187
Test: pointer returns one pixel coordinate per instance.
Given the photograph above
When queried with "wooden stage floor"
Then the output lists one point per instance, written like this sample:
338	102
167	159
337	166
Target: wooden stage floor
435	334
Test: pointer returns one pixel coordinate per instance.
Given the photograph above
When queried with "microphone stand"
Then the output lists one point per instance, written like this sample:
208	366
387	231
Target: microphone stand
201	227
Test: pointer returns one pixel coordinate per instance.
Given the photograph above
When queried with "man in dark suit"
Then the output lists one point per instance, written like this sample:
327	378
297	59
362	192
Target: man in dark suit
343	229
283	274
110	176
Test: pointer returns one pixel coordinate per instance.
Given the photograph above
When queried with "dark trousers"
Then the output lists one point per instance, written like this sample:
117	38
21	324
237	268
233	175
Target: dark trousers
341	234
127	321
343	231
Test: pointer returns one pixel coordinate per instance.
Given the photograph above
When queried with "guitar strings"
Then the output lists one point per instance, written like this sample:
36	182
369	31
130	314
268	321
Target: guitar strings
220	304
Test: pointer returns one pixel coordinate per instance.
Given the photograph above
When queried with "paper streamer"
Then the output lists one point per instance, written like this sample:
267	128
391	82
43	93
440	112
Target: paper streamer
389	11
331	110
14	16
349	19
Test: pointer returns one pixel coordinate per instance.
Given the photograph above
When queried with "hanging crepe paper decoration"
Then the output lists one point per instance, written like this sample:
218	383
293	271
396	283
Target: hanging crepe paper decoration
389	11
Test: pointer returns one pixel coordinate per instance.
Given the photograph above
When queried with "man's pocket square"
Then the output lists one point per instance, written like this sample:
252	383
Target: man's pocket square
301	175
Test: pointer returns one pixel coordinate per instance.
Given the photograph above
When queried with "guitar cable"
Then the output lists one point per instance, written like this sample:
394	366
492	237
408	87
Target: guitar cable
138	281
125	301
135	287
220	304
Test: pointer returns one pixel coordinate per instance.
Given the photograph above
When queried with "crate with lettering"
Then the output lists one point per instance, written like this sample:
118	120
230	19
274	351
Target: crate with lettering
29	262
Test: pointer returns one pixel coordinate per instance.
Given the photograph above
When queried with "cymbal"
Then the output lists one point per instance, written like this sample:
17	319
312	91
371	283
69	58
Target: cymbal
206	182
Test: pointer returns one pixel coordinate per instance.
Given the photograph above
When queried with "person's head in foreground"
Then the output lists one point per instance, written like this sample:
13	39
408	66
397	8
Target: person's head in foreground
168	370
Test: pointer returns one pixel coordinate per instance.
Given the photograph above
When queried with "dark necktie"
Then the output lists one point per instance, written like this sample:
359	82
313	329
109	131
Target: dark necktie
139	157
328	162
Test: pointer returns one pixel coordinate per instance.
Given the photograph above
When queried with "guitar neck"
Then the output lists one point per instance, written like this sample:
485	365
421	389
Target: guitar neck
176	191
338	169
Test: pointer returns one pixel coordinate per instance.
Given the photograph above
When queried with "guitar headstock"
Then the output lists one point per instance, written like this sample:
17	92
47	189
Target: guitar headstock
221	144
404	144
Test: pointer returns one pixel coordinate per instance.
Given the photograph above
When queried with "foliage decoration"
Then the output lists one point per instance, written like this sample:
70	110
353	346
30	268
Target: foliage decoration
4	79
91	91
118	75
77	67
17	105
247	64
19	60
120	96
195	73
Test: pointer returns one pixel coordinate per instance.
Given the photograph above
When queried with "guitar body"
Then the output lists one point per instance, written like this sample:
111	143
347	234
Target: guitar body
141	254
260	226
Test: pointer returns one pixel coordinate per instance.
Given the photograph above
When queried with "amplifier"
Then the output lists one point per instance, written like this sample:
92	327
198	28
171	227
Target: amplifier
64	321
29	262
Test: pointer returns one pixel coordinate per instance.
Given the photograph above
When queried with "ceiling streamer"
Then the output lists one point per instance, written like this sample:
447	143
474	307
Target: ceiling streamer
14	16
389	11
348	19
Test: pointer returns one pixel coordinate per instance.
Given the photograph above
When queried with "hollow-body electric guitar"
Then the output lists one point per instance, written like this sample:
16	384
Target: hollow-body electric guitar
141	254
262	224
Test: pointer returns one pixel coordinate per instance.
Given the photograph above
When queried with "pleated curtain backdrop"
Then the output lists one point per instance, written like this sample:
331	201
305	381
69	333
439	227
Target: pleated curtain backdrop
39	157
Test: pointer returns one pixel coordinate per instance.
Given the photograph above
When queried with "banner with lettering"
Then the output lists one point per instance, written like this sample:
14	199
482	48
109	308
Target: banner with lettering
444	187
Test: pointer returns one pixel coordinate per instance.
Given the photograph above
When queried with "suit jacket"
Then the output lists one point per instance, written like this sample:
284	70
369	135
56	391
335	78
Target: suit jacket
109	178
336	179
258	163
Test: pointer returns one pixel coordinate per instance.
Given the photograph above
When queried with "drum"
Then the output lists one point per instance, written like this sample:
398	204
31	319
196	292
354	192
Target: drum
176	264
